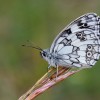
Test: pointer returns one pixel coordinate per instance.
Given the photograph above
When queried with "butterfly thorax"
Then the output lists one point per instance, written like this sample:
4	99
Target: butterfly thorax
54	59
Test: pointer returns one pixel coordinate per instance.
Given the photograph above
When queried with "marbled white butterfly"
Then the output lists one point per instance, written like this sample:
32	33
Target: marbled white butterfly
77	45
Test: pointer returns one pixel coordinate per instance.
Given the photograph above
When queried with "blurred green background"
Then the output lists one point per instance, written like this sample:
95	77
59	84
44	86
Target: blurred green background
40	21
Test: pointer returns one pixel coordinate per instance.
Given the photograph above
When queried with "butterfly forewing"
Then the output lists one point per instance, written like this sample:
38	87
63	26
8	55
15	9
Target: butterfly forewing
78	44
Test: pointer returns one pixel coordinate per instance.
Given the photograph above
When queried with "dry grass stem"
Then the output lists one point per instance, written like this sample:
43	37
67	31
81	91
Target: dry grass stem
48	80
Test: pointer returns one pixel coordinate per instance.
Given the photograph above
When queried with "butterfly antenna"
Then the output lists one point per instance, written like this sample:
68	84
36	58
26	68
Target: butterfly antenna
32	43
38	48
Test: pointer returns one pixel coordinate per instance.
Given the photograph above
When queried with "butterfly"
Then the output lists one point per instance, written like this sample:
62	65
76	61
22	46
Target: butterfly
77	45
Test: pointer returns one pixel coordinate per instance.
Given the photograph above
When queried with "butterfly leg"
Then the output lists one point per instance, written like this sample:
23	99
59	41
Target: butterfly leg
57	71
48	67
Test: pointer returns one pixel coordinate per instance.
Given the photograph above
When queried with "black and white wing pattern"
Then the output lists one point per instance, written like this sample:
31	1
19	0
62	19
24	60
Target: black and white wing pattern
79	43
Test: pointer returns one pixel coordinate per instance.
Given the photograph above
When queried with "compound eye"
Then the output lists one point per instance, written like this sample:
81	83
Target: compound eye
44	54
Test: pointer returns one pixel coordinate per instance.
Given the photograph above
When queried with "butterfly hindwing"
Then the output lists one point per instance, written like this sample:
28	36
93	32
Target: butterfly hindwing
78	44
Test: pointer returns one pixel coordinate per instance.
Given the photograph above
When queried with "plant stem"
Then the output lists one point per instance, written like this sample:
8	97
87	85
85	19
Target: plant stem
46	82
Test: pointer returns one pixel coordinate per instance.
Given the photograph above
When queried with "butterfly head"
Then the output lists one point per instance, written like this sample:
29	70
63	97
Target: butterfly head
46	54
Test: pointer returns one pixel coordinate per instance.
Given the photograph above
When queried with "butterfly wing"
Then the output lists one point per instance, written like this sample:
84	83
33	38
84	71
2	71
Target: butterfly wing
78	44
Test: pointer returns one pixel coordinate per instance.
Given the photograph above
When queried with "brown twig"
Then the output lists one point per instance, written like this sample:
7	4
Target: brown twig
47	81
